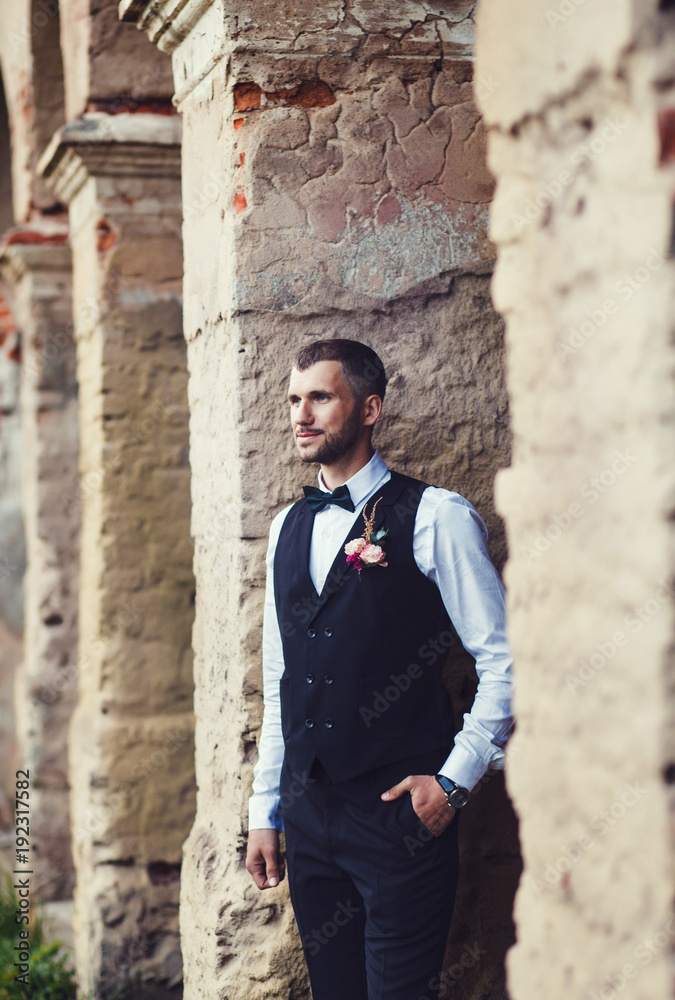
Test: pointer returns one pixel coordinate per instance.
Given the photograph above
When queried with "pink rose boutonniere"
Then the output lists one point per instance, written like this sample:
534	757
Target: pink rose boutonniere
365	551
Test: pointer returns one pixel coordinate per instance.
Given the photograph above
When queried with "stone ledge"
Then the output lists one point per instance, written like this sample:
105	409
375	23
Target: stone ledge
265	47
166	22
101	145
34	248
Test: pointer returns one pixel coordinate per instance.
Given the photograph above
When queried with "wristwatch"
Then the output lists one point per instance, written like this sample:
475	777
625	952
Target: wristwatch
454	793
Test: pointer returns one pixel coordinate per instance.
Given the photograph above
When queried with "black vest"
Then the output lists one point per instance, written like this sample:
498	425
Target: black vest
363	660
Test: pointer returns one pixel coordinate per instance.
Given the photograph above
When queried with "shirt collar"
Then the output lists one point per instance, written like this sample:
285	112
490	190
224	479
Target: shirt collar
365	480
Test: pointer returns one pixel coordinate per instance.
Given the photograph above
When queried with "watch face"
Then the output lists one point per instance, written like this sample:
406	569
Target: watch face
458	797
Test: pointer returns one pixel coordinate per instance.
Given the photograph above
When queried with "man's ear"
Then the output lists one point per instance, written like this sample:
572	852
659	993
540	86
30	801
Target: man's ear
372	407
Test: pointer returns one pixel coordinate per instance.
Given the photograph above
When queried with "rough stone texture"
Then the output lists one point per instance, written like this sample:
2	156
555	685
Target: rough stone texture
578	105
334	184
37	265
131	748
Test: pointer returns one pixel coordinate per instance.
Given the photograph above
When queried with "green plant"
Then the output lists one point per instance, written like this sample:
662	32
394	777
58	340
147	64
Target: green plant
49	976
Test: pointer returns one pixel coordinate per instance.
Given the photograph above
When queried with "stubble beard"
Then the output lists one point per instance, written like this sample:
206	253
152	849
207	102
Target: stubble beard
335	446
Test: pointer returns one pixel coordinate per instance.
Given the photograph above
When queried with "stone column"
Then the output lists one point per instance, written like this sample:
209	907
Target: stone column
334	184
35	262
581	110
131	752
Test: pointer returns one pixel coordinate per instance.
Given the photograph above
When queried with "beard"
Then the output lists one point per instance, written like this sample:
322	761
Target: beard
336	444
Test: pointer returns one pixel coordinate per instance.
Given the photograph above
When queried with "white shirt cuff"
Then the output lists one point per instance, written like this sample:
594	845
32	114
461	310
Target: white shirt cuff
464	767
263	813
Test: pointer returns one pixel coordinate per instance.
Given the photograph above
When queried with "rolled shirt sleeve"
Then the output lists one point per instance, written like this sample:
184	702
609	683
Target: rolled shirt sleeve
450	545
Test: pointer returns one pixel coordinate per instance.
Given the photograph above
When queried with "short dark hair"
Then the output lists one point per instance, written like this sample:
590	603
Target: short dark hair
362	368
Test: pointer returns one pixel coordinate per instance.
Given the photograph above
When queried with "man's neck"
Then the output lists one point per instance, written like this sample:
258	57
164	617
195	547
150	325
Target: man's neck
339	472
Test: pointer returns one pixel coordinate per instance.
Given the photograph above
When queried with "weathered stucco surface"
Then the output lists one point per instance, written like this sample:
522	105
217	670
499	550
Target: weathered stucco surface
580	114
334	184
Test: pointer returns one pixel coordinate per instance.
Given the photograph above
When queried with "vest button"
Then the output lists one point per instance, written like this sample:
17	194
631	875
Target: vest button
328	632
328	679
310	678
309	723
328	723
311	632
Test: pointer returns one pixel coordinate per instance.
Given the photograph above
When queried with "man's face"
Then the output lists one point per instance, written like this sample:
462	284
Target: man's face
325	418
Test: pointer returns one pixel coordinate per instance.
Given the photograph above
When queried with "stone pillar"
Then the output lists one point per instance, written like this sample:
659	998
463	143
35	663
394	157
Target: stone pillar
580	103
35	262
334	184
131	750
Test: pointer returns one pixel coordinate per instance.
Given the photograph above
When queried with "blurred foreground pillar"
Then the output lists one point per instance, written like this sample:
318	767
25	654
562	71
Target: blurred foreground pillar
580	103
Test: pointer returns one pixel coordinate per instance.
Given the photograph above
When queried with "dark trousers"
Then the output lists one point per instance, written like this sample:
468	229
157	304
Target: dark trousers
372	889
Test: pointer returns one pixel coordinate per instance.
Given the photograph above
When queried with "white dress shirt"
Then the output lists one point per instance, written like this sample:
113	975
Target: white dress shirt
449	547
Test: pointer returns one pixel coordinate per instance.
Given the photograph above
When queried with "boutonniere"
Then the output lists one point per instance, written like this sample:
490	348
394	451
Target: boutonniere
367	550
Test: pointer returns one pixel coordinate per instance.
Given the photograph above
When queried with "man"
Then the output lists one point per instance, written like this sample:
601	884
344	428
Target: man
369	578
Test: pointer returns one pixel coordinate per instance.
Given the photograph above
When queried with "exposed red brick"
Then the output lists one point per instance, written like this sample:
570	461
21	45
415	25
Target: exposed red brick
130	105
246	96
22	237
242	159
240	202
3	336
106	237
666	122
238	122
308	94
15	353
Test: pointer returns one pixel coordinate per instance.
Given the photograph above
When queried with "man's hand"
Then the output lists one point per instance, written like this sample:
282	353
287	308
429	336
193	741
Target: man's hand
428	801
263	858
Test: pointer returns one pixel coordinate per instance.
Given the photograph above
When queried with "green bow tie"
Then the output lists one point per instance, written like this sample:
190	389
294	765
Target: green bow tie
318	499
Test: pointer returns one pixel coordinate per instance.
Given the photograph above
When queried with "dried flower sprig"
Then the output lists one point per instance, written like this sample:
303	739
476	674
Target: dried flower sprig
370	520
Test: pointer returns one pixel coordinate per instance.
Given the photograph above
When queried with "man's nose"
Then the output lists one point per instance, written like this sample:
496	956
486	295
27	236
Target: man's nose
303	414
